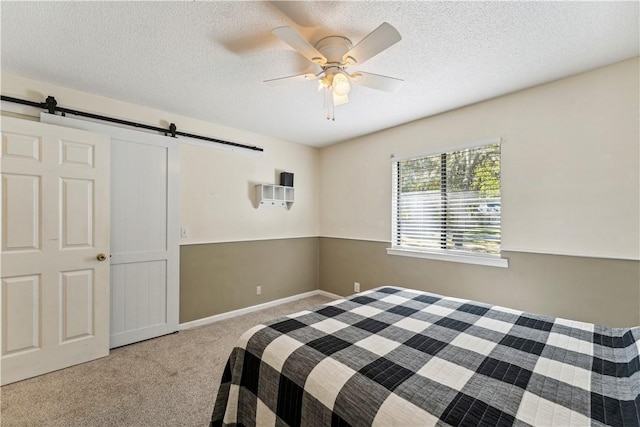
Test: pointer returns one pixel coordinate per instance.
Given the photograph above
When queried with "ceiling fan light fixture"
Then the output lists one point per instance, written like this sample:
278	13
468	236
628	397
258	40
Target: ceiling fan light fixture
339	99
324	83
341	86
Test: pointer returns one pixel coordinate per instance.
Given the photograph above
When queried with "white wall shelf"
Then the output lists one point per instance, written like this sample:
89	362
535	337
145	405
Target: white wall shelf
275	195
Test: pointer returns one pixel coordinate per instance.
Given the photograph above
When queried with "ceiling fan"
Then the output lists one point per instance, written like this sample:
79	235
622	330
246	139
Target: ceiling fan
333	55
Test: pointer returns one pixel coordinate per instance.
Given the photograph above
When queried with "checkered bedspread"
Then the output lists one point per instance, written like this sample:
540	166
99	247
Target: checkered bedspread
394	356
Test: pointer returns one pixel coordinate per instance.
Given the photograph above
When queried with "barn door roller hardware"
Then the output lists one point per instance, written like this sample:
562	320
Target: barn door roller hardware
51	105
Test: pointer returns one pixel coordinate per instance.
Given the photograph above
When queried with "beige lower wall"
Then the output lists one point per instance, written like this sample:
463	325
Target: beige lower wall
220	277
603	291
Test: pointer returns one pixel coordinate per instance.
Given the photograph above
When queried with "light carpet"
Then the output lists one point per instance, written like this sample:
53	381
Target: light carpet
166	381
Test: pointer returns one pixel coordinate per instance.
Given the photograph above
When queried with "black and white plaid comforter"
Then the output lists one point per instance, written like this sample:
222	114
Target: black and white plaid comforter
394	356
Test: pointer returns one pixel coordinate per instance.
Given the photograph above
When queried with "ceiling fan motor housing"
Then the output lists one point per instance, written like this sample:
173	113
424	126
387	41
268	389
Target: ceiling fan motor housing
333	48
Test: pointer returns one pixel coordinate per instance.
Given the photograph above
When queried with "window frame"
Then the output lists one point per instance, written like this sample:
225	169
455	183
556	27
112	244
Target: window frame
495	260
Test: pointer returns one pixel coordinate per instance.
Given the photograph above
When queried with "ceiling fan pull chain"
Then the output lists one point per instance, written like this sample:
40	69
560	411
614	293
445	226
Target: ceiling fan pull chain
326	103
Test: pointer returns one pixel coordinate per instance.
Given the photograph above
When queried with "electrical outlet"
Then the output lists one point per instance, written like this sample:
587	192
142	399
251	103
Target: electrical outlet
184	231
356	287
258	290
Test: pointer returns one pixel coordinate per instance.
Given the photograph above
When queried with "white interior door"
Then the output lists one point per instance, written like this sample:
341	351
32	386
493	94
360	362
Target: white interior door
55	222
145	247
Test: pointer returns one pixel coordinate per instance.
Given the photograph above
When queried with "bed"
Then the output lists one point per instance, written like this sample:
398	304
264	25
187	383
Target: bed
395	356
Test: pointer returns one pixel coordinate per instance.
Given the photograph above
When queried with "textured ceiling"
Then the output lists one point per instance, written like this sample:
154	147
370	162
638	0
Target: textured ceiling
207	60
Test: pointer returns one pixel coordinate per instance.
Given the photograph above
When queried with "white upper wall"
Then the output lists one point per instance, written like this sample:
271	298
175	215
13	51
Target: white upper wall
570	166
217	185
570	176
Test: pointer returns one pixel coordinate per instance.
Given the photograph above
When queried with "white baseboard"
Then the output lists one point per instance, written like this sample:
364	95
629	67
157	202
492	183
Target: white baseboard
328	294
246	310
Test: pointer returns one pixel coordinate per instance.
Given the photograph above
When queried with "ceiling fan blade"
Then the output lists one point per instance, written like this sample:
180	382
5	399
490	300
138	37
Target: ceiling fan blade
297	42
376	81
375	42
298	77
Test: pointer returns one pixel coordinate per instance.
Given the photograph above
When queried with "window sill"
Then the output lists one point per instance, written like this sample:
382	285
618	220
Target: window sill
468	259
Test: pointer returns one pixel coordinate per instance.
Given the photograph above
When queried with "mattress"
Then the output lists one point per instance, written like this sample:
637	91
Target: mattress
395	356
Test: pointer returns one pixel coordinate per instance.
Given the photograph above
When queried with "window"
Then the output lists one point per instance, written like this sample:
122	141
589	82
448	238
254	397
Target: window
449	204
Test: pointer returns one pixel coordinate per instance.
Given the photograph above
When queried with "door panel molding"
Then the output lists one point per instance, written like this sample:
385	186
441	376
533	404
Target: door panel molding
21	314
21	227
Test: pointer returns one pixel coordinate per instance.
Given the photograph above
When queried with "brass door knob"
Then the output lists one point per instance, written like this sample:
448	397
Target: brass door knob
101	257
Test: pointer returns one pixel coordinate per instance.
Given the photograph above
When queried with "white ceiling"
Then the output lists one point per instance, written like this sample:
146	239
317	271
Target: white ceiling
207	60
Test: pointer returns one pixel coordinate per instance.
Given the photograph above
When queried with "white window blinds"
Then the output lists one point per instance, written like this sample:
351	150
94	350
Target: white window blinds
448	202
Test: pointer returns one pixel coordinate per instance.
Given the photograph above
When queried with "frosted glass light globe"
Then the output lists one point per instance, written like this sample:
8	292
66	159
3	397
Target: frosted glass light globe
341	85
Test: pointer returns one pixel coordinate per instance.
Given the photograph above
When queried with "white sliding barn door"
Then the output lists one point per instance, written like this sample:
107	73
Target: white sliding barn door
55	231
145	253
